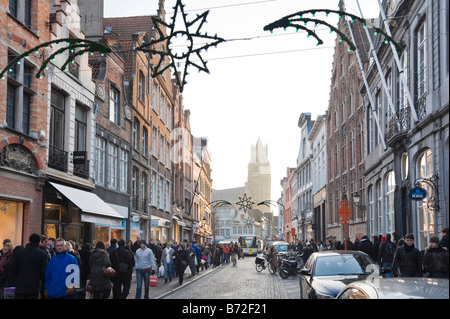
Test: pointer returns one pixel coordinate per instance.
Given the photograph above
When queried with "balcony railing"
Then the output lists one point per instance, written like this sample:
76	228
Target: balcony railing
421	107
399	124
57	158
81	170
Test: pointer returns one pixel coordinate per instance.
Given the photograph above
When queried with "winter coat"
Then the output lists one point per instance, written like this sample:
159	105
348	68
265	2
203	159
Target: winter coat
85	254
383	256
407	260
57	272
355	244
272	253
30	269
181	259
99	259
122	255
191	256
166	252
8	277
366	246
4	257
435	261
444	242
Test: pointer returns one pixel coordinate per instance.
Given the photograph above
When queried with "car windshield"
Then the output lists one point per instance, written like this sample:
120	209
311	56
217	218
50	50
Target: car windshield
343	265
281	248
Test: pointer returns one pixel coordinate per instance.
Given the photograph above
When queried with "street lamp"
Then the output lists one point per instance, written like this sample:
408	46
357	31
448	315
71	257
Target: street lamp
356	200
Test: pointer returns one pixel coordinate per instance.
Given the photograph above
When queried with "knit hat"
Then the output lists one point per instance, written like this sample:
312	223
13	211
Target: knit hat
383	239
434	240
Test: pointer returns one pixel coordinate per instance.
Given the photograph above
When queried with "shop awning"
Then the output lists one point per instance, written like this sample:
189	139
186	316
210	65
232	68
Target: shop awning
160	222
94	209
179	220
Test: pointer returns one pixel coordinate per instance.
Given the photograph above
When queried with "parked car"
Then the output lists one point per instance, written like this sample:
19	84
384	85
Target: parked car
326	273
396	288
281	246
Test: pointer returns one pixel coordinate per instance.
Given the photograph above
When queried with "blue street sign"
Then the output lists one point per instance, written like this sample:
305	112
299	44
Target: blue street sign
417	193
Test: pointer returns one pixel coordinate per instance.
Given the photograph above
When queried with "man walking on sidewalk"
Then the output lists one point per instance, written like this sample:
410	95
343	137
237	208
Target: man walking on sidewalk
145	264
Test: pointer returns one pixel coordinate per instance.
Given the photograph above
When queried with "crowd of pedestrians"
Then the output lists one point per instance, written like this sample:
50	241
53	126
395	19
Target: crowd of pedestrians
396	256
49	268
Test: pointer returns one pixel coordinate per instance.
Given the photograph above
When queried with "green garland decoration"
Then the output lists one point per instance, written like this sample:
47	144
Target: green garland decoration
219	203
77	47
294	19
269	202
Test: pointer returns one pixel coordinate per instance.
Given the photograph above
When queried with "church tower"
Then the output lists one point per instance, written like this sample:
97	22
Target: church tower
258	184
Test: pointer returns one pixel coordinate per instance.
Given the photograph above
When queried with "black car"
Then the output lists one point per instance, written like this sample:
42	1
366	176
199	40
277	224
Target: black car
326	273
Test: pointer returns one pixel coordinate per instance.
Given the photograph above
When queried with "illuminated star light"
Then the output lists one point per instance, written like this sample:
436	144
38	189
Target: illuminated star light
188	35
245	203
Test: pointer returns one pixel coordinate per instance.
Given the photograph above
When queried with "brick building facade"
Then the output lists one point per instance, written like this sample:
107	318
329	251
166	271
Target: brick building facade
345	136
23	119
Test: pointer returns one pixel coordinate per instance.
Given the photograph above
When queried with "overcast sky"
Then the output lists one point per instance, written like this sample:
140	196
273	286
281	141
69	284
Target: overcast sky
259	83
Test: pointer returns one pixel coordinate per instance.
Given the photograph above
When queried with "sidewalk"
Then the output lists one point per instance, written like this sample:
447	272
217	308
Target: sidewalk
162	289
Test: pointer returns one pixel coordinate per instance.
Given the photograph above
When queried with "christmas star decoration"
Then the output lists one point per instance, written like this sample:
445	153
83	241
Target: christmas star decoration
245	203
182	42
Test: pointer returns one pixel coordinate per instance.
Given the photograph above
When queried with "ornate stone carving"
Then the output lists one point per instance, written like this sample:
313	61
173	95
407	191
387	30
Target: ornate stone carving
19	158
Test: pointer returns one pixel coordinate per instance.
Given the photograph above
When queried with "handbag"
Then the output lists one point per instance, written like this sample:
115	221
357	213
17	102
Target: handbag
108	271
89	288
153	281
123	267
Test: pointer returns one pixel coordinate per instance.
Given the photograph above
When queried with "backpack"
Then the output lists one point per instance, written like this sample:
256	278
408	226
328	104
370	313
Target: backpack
389	249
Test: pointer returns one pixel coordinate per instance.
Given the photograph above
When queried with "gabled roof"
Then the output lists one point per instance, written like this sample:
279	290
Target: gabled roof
123	28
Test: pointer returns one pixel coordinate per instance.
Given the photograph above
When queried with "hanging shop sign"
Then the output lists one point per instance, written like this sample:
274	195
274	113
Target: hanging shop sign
418	193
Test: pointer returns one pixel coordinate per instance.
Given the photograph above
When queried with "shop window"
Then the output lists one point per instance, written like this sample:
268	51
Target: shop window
425	211
11	221
101	234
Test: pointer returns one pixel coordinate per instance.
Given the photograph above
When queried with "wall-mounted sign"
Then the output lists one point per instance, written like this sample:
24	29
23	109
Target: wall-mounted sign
418	193
79	157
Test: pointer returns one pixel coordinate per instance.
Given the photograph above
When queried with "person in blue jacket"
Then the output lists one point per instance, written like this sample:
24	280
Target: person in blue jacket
197	254
62	274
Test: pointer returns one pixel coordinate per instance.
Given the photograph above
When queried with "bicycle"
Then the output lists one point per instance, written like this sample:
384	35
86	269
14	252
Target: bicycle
263	263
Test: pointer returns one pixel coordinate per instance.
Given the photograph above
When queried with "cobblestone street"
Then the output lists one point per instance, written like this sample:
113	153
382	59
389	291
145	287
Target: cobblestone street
239	282
226	282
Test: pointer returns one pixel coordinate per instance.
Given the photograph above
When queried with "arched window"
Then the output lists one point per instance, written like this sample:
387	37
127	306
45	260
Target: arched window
425	214
389	196
136	128
378	211
141	86
372	226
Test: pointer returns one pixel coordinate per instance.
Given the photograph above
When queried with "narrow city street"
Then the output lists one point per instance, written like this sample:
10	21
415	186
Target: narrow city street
226	282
